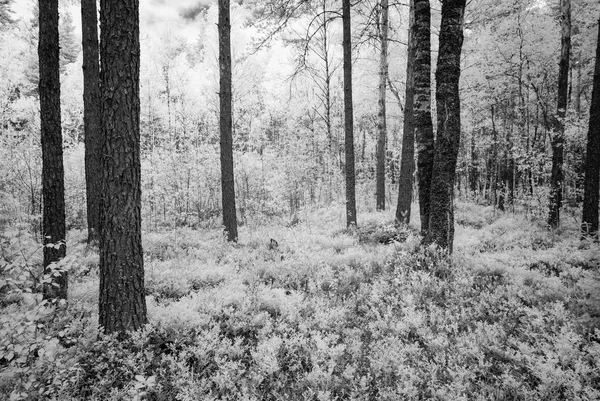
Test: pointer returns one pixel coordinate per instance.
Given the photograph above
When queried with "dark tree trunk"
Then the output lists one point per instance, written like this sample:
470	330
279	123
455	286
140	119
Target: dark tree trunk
382	135
422	107
589	224
122	294
91	115
558	139
473	168
348	117
441	219
225	124
407	158
53	177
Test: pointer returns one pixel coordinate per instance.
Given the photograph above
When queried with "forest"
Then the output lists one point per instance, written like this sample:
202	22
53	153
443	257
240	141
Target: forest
299	200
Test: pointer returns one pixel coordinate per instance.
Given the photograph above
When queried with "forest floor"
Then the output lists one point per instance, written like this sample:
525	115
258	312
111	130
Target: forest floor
328	314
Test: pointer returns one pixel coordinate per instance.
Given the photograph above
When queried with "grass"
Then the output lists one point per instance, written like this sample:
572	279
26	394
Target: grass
329	314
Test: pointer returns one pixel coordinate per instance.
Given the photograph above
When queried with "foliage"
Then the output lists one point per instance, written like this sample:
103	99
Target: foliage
324	316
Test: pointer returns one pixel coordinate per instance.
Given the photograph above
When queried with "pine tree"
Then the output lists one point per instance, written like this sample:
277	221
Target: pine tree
348	116
591	196
225	123
53	184
381	116
558	137
122	296
441	218
422	107
407	161
91	115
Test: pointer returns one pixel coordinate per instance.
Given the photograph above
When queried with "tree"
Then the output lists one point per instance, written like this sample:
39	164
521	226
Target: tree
91	115
441	218
422	106
381	117
122	294
589	223
53	180
558	138
348	116
407	163
225	125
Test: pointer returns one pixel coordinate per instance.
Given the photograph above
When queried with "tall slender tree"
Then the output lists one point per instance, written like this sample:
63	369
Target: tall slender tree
441	217
53	182
348	116
558	137
407	162
381	115
91	115
122	294
422	106
225	124
591	194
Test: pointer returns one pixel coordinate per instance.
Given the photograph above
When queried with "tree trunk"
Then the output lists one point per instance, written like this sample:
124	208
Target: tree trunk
558	139
441	220
473	168
348	117
225	124
589	224
91	115
53	177
407	162
122	294
382	138
422	107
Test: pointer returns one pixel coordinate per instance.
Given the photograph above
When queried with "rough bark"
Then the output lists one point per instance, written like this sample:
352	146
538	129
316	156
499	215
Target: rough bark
591	195
122	305
422	107
441	219
225	123
91	115
381	115
558	137
407	158
348	117
53	182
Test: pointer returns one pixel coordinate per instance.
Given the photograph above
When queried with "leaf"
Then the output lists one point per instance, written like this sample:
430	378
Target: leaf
9	357
140	378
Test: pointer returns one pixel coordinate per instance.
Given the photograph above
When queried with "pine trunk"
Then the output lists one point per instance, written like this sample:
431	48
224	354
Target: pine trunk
381	116
407	158
225	123
348	117
422	107
122	296
558	139
441	220
53	181
591	195
91	115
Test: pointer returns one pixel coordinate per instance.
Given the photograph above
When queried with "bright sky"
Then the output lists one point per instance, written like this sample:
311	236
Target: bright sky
152	12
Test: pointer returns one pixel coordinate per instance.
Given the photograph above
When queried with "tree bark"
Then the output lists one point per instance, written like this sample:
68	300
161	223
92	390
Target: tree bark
422	107
441	220
381	116
91	115
348	117
591	196
558	139
122	296
53	177
407	162
225	124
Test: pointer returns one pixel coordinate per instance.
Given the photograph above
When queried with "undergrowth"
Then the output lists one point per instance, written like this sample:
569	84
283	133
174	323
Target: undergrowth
362	314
